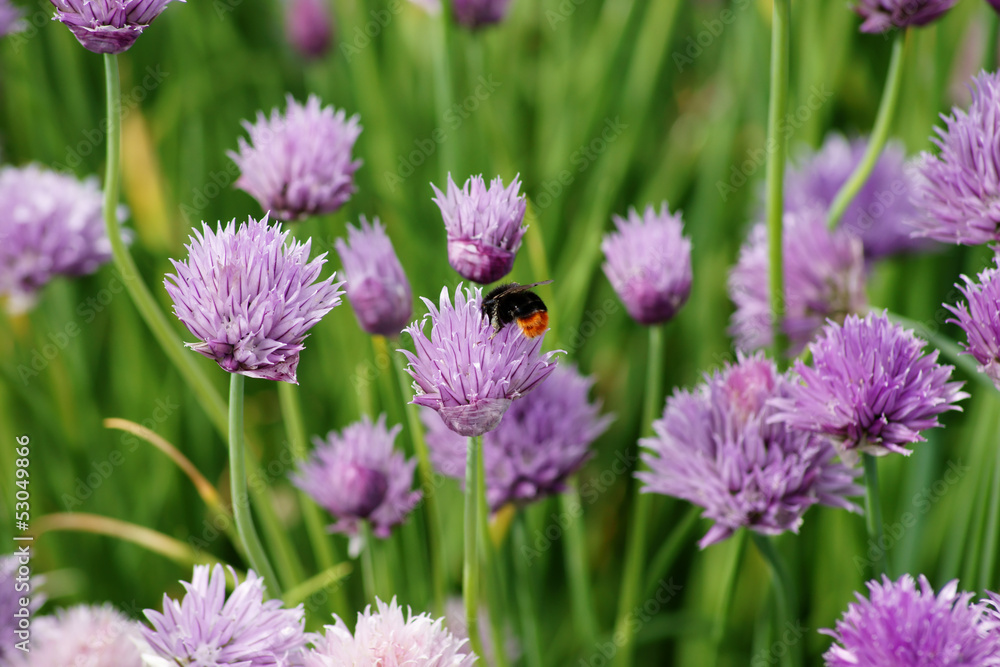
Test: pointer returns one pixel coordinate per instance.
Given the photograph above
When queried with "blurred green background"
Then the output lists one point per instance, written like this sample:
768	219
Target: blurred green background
600	105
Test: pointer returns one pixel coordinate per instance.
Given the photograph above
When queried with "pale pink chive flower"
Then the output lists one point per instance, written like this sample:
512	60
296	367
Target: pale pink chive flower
483	226
466	373
207	628
250	298
356	475
299	164
108	26
376	284
648	262
716	447
870	388
387	638
902	626
84	636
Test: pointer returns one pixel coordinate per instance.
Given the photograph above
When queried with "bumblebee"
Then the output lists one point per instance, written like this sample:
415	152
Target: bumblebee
512	302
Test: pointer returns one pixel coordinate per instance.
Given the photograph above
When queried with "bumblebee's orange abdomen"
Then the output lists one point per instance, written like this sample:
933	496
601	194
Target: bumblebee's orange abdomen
534	324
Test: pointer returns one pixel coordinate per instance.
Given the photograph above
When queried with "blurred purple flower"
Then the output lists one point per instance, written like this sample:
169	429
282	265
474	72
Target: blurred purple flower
881	214
648	262
10	18
309	27
249	298
539	443
995	4
108	26
299	164
475	14
85	636
376	285
53	226
959	189
882	15
206	628
980	319
356	475
387	638
904	627
466	373
824	279
484	226
871	388
716	447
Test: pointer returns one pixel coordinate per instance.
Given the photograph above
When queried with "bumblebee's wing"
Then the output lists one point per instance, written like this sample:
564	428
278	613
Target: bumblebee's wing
511	289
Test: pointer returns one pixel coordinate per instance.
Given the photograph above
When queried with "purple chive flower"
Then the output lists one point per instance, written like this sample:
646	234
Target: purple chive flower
376	285
388	638
356	475
10	18
959	188
716	447
484	226
881	214
207	628
299	164
538	444
309	27
53	225
870	387
94	636
904	627
980	319
466	373
249	298
995	4
475	14
108	26
824	279
648	262
883	15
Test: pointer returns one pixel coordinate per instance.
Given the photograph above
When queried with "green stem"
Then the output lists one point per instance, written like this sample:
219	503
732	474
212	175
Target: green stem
986	571
368	560
238	482
784	594
491	565
530	636
777	144
444	95
880	133
635	552
873	512
671	547
575	556
992	25
470	569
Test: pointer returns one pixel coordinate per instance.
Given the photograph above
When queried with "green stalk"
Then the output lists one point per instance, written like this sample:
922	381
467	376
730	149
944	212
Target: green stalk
530	638
492	566
575	557
992	33
444	96
470	569
784	594
777	145
238	482
635	552
368	560
880	133
873	511
986	571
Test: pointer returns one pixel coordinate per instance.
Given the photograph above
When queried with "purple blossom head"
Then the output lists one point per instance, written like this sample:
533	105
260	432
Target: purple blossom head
210	630
648	262
717	447
995	4
387	638
309	27
52	225
979	317
475	14
959	189
299	164
902	626
10	18
464	371
540	441
883	15
376	285
108	26
484	226
870	387
881	214
356	475
91	636
824	279
250	298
